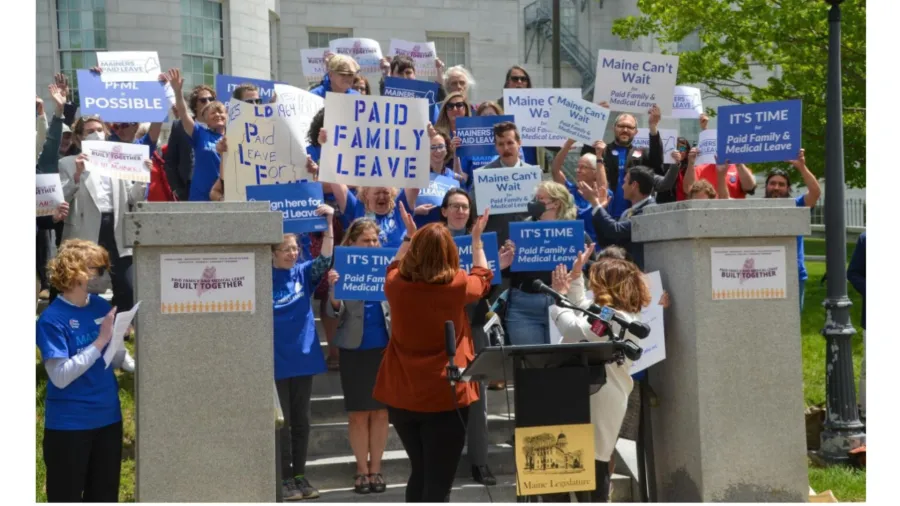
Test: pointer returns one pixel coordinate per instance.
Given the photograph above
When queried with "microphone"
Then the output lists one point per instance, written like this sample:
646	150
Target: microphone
637	328
494	329
538	286
453	374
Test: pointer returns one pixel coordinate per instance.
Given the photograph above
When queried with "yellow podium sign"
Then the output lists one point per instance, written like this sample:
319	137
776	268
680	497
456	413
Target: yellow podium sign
555	458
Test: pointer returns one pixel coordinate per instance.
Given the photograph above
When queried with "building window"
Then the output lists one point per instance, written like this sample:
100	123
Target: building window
82	32
321	38
451	49
691	42
201	42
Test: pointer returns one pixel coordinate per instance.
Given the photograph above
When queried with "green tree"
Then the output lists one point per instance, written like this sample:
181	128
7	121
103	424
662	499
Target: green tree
788	38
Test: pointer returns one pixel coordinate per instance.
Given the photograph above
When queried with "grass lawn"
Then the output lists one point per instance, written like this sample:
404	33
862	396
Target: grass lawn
847	484
814	246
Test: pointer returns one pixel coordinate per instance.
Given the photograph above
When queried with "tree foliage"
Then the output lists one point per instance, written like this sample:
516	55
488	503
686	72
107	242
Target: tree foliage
787	38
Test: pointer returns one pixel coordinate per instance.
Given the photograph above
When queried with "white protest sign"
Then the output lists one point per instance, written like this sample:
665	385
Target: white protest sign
120	326
117	160
129	66
366	52
505	191
687	102
707	145
262	148
578	119
749	272
194	283
376	141
48	192
422	53
633	82
531	108
668	137
313	64
296	110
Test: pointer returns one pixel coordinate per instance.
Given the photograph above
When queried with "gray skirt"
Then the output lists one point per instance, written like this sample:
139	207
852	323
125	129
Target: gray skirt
359	368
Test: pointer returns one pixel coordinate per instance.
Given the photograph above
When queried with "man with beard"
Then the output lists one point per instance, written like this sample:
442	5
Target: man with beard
778	186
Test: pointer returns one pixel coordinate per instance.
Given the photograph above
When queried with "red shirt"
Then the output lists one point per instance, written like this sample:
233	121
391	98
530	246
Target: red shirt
707	171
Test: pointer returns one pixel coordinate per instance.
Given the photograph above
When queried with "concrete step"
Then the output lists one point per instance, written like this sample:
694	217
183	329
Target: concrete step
329	439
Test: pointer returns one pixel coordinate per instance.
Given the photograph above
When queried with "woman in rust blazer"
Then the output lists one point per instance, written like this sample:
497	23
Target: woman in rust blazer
425	287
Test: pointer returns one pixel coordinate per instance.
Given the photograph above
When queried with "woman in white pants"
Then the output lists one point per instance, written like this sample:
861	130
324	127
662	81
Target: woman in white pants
620	285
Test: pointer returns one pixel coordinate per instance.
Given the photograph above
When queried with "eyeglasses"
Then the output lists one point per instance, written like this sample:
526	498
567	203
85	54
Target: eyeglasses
518	79
253	100
626	127
459	207
205	100
456	105
438	147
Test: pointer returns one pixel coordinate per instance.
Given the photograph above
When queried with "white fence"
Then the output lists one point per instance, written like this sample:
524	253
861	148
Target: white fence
854	213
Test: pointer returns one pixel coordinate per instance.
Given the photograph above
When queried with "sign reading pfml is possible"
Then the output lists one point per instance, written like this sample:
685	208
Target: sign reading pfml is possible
124	102
764	132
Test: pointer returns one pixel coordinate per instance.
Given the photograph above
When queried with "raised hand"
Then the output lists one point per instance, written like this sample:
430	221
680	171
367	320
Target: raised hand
62	82
431	130
222	145
561	279
423	209
692	155
664	301
39	105
480	223
176	80
333	278
312	167
580	261
408	221
654	115
603	103
507	254
704	121
325	210
800	162
599	148
61	212
676	156
59	98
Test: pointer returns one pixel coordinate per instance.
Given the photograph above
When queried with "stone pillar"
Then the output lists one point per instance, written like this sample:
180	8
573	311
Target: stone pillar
205	417
730	424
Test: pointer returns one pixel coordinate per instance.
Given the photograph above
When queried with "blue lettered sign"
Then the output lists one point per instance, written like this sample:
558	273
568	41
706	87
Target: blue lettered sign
477	134
123	102
436	190
362	272
542	245
411	88
764	132
225	86
296	201
491	251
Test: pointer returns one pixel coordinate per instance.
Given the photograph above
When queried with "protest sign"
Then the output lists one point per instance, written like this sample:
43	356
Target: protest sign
410	88
124	102
491	252
707	147
194	283
531	108
376	141
300	106
48	192
477	135
117	160
542	245
262	149
225	86
422	53
437	188
633	82
669	140
312	62
748	272
578	120
362	272
505	191
764	132
366	52
687	103
296	201
128	66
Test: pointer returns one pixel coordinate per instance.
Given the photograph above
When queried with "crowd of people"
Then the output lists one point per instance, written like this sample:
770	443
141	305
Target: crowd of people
391	359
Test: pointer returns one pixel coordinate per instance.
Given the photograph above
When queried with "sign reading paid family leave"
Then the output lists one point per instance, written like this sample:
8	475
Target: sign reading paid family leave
505	191
376	141
296	201
764	132
476	134
124	102
578	120
362	272
633	82
542	245
531	108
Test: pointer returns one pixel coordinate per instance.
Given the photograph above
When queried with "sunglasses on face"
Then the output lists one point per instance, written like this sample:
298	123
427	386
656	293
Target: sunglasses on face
456	105
205	100
518	79
253	100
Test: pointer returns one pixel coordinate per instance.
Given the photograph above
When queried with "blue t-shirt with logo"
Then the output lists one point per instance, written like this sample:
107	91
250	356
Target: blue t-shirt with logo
391	225
585	211
297	348
206	162
801	258
91	400
619	204
375	334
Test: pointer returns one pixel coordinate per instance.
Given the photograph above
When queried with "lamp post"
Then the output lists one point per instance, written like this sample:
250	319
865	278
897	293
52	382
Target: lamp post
842	429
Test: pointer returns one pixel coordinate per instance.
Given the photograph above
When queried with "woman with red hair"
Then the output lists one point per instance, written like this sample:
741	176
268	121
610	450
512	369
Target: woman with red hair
426	288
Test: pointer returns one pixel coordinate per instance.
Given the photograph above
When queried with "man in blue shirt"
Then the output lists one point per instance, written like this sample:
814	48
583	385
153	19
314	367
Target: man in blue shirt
778	186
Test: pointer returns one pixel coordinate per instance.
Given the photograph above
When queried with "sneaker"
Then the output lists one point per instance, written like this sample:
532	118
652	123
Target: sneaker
483	475
289	491
306	490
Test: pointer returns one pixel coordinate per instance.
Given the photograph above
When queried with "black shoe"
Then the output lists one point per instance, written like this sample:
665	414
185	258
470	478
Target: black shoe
377	483
289	491
361	484
483	475
305	490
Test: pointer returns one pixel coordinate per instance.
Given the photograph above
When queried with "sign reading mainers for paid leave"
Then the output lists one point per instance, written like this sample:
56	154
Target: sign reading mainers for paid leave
633	82
505	191
192	283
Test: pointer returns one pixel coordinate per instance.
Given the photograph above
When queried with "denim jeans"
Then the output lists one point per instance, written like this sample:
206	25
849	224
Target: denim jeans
802	293
527	319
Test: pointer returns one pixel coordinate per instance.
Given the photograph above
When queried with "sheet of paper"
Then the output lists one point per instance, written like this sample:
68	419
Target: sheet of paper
123	320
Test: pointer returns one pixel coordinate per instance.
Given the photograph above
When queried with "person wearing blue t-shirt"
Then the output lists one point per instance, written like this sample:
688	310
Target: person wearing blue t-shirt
778	186
203	139
442	179
298	354
342	70
82	446
362	335
589	166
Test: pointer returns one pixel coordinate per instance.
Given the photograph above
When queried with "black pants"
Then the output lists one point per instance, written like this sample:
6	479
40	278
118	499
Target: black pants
294	394
42	255
83	465
433	443
121	272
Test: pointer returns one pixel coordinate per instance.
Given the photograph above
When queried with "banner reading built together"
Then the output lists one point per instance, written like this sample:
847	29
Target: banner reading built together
207	283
